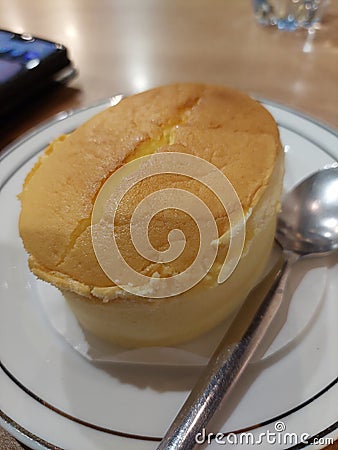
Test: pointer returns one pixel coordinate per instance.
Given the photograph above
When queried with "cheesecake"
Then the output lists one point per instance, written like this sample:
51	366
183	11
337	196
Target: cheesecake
220	125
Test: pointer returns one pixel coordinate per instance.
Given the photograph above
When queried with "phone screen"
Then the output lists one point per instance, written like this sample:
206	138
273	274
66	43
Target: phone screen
29	66
21	53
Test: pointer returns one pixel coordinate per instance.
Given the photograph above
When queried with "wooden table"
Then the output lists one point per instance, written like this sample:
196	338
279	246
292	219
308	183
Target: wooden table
131	45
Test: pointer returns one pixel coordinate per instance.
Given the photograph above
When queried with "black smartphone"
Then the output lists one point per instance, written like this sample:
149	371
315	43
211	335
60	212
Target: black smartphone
28	65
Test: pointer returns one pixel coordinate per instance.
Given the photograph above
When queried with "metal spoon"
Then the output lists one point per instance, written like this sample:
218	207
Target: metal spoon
307	226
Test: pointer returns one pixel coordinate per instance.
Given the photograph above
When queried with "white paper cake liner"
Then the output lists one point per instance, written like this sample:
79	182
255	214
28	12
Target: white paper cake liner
307	284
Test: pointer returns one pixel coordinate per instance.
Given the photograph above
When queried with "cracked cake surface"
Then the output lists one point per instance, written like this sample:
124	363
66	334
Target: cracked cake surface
221	125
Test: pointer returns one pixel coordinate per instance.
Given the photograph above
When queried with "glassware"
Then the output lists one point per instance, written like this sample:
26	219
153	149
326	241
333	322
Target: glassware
289	14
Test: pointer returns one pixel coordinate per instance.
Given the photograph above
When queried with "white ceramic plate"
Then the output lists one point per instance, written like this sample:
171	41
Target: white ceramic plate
53	398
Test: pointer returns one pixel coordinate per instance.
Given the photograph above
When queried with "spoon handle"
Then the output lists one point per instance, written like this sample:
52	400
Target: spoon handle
224	370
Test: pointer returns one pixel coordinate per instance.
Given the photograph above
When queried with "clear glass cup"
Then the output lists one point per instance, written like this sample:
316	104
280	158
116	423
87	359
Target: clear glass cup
289	14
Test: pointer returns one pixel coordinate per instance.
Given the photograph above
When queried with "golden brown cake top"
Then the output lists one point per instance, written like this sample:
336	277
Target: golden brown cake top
220	125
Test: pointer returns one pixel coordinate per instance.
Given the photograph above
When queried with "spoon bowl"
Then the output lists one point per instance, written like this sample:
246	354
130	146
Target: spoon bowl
308	222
